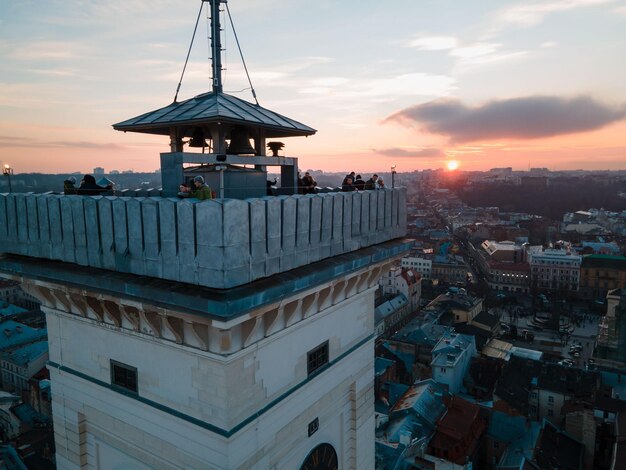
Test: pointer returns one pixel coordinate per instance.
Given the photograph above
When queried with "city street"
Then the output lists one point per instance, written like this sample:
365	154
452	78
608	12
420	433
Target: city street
550	342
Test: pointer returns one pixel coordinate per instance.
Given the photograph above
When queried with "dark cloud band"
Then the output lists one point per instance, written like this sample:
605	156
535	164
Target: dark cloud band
422	153
519	118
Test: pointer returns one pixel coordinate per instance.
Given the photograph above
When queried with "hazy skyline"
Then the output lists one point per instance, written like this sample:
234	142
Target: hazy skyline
416	84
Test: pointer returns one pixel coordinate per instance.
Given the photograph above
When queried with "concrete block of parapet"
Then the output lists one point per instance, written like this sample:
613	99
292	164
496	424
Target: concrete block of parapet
272	265
56	227
258	230
170	266
315	254
187	270
355	229
274	246
274	227
327	220
44	225
325	251
151	228
11	217
33	223
120	225
336	248
153	267
289	204
402	214
210	222
287	261
348	209
236	222
257	270
303	222
373	215
337	234
315	219
380	219
364	220
135	251
168	232
67	229
22	223
236	256
302	256
211	277
258	251
237	276
394	208
92	232
80	229
3	227
388	206
107	233
186	243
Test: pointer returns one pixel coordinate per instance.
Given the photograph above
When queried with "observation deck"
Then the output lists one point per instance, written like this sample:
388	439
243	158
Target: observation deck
219	243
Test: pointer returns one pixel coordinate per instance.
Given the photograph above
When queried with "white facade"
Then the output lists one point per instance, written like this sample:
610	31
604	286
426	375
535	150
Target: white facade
555	269
249	407
422	265
451	359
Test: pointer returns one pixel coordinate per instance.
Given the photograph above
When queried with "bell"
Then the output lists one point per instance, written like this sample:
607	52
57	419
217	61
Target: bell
197	138
240	142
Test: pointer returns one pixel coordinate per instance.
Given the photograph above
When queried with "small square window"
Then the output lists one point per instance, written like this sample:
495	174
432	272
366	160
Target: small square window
550	412
317	358
124	376
550	399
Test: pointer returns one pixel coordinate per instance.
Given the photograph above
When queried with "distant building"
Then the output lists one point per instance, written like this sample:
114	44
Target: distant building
555	269
511	277
611	341
21	364
539	389
422	264
389	315
510	439
14	335
600	274
458	305
459	432
450	270
406	281
506	251
98	171
451	359
557	449
9	292
12	293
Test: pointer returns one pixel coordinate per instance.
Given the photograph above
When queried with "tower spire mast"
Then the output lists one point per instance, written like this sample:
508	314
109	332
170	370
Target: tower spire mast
216	45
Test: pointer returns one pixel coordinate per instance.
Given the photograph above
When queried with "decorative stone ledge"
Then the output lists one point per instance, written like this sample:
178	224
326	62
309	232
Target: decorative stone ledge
205	333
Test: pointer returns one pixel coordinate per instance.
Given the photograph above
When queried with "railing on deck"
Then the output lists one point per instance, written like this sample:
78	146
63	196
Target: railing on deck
218	243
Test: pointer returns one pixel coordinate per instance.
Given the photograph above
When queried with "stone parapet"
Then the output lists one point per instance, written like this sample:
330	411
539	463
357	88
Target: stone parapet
219	243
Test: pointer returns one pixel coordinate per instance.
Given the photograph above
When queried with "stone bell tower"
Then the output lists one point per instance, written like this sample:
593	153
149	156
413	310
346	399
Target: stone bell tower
233	333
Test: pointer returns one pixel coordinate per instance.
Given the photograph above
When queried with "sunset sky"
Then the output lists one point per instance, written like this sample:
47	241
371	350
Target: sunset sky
413	83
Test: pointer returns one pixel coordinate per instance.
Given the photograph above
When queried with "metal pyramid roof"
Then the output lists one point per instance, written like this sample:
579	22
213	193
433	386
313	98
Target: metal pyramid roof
211	108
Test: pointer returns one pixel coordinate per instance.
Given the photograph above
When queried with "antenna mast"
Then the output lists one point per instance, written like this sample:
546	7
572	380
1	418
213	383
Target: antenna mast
216	45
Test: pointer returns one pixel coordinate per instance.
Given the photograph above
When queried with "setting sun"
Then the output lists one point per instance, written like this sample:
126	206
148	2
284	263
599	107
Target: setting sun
452	165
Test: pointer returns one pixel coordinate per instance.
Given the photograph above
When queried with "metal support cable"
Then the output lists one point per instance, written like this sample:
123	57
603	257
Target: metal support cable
189	51
241	55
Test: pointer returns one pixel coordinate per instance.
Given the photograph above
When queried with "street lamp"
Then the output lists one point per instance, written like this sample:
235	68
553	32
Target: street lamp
8	171
393	176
